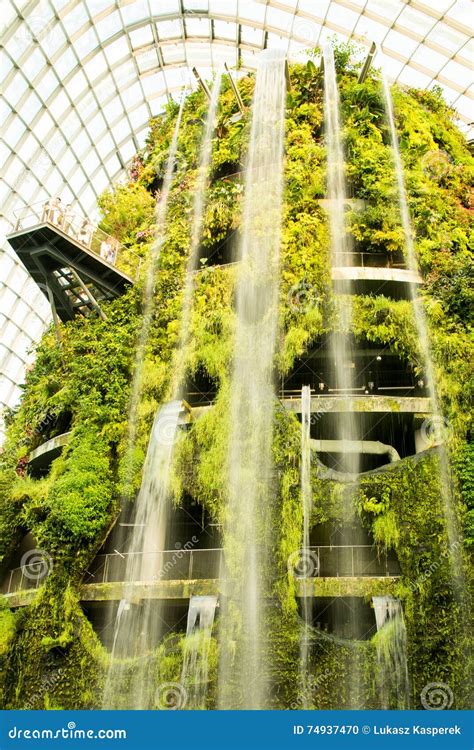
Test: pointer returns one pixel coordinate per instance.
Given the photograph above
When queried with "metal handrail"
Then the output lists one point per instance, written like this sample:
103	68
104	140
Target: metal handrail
360	255
328	563
81	230
32	575
176	564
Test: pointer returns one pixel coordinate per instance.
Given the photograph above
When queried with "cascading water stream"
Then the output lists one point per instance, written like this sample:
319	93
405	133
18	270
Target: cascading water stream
139	623
391	645
196	232
452	530
307	501
150	279
341	348
195	672
340	345
243	668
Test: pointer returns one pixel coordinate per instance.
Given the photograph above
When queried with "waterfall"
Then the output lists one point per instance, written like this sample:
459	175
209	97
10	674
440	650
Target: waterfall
340	343
138	626
139	623
391	644
307	502
455	548
196	231
243	673
195	672
150	279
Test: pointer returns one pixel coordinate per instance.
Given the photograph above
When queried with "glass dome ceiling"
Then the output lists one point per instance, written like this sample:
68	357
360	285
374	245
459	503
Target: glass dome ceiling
81	78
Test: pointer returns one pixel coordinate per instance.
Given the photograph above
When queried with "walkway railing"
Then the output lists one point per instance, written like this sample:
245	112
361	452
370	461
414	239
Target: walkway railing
170	565
81	230
400	389
372	260
345	561
341	561
24	578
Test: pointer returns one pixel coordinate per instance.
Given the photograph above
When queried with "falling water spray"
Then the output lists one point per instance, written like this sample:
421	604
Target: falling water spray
244	667
153	262
307	501
139	623
340	345
452	530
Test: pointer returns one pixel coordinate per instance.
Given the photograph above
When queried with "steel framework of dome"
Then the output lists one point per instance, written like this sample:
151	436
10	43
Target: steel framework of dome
81	80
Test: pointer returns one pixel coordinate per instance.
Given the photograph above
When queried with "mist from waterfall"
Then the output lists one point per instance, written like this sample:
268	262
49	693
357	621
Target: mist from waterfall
139	623
195	671
448	501
199	191
391	643
340	346
340	342
248	519
152	269
307	502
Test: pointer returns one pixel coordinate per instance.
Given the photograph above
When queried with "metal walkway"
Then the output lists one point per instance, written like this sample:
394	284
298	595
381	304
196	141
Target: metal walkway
76	265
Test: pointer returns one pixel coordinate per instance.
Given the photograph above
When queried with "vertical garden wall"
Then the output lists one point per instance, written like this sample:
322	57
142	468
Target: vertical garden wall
50	655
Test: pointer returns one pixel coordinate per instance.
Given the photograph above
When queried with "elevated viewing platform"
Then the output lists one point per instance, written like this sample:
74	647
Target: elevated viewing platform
40	458
375	273
418	405
75	264
182	573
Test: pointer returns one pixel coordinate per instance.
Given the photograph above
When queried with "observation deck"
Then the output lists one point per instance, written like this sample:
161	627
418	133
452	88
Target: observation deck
75	264
375	273
182	573
41	458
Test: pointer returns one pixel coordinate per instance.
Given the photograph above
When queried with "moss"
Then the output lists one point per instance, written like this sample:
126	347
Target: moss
88	376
